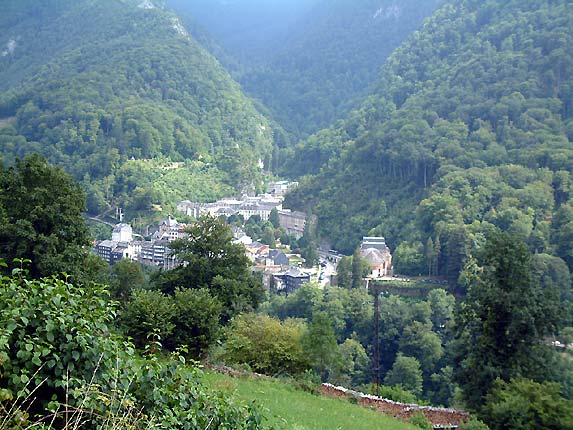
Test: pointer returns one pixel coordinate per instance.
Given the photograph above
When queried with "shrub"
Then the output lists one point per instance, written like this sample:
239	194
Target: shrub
196	320
148	312
473	424
265	344
420	420
60	361
523	404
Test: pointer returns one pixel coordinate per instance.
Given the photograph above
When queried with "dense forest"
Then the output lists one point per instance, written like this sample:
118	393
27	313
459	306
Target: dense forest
469	129
93	92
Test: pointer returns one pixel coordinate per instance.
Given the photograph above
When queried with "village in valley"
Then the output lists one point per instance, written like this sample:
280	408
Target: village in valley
282	267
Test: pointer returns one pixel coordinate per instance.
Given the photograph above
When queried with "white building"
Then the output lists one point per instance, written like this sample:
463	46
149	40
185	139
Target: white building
122	233
377	253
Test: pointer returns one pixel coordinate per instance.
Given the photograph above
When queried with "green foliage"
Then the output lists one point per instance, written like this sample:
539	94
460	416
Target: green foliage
58	356
360	269
189	318
474	424
109	81
522	404
196	320
265	344
409	259
501	323
319	343
419	341
212	261
419	420
354	369
344	272
442	308
148	313
41	218
566	335
274	218
127	276
406	373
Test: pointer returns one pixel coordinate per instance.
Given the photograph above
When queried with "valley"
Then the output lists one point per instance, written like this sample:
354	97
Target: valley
375	194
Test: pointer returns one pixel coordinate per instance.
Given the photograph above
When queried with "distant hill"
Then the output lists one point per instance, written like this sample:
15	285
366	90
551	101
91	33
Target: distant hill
307	61
95	85
470	127
330	58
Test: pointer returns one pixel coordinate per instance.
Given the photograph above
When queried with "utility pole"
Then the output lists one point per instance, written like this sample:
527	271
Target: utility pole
375	288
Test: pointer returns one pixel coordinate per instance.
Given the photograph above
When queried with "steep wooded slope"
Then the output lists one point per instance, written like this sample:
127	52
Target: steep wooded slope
471	127
93	84
306	61
329	59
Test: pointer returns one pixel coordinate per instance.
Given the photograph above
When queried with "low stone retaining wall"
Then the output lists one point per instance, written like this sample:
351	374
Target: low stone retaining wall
439	417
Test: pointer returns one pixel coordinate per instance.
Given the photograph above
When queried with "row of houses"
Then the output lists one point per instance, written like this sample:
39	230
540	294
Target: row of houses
262	205
153	253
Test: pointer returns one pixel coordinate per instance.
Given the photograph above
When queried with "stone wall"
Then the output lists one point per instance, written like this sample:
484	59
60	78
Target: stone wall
439	417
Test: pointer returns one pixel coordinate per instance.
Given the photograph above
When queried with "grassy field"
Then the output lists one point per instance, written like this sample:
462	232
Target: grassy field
292	409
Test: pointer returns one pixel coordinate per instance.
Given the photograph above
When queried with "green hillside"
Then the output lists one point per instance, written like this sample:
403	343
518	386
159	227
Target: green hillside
291	408
93	84
470	128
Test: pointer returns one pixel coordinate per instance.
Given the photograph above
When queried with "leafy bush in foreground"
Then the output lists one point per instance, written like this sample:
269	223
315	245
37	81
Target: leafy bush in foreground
60	364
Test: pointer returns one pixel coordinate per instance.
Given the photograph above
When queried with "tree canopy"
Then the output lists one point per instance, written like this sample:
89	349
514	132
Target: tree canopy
502	323
41	218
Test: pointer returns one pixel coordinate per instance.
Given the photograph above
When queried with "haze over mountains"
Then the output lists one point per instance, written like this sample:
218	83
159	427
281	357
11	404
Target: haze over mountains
308	61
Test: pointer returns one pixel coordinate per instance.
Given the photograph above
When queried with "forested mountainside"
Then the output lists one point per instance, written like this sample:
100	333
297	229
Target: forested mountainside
470	127
332	55
307	61
101	87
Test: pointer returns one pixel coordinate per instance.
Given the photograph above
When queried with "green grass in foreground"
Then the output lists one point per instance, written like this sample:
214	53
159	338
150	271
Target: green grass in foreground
294	409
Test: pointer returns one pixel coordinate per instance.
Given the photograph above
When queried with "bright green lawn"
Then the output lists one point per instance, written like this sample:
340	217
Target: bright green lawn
294	409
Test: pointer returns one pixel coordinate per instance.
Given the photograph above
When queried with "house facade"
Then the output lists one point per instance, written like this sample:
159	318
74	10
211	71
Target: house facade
376	252
292	222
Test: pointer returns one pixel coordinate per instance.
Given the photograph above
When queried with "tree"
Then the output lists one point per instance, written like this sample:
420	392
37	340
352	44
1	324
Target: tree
127	277
420	342
501	324
319	343
195	321
265	344
211	260
522	404
344	272
405	372
41	218
147	314
409	258
360	269
442	308
268	237
355	364
274	218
